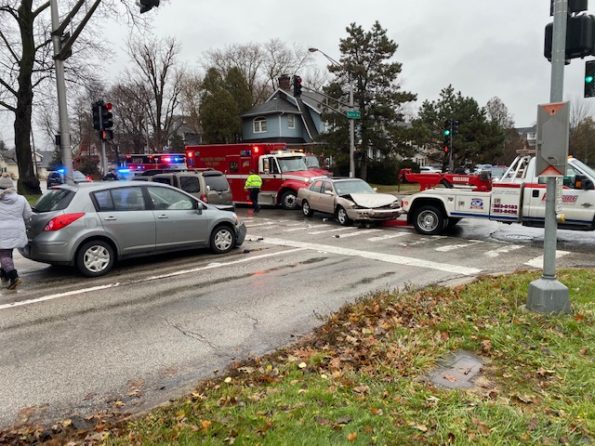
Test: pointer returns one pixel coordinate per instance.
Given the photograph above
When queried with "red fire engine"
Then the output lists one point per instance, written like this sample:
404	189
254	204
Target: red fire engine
283	171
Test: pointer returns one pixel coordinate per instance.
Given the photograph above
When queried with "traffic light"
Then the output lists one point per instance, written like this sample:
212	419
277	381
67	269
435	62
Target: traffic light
590	78
147	5
107	121
106	135
455	127
297	86
446	149
96	109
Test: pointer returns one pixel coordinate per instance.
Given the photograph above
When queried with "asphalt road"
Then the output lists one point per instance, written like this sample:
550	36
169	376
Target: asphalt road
153	327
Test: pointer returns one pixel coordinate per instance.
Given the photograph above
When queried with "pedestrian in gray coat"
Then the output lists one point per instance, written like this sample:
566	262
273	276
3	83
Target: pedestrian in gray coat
15	213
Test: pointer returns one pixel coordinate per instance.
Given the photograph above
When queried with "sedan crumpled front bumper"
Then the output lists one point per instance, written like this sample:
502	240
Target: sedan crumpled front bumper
357	214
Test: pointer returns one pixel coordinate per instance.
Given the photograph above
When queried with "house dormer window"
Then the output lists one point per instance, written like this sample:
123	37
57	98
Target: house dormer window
290	121
259	125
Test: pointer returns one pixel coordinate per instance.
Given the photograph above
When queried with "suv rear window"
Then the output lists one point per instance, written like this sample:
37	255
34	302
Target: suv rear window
54	200
189	184
217	182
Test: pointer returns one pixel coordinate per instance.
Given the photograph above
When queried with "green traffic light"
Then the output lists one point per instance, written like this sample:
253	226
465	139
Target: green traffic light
588	79
446	132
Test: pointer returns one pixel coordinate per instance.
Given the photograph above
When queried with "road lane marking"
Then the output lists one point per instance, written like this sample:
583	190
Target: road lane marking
324	231
387	237
449	248
360	232
502	250
261	224
389	258
158	277
305	228
537	262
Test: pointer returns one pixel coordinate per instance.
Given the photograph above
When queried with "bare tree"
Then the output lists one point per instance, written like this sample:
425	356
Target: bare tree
160	83
190	101
579	111
498	112
130	117
26	63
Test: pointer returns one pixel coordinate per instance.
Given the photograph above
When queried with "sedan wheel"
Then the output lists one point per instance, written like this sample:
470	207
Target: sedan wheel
223	239
95	258
342	216
306	209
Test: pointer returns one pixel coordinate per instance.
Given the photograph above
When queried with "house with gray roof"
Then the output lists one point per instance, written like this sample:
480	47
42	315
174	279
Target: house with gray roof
284	117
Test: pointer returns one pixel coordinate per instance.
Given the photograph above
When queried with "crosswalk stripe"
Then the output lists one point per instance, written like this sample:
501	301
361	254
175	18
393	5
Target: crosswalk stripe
360	232
324	231
537	262
388	258
387	237
448	248
305	228
261	224
502	250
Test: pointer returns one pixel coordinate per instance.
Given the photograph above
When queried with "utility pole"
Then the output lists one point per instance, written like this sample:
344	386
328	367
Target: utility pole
548	295
351	135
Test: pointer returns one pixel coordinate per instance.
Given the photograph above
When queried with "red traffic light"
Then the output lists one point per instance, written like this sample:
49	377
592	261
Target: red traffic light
446	149
108	106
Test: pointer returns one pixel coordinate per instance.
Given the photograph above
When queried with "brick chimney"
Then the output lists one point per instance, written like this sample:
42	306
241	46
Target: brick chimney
285	82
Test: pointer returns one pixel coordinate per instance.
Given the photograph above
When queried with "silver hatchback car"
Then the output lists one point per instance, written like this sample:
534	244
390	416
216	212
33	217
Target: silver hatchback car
93	225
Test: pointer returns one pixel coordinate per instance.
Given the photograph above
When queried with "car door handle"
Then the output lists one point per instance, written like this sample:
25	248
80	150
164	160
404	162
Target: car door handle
110	218
162	217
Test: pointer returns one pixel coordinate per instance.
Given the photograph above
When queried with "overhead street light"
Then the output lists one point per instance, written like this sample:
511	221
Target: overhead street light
351	120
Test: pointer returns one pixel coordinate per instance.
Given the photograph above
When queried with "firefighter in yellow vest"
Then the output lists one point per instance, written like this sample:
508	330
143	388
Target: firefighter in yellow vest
253	185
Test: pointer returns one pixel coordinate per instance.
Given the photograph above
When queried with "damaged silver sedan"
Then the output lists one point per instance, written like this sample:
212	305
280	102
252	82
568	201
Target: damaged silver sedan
349	199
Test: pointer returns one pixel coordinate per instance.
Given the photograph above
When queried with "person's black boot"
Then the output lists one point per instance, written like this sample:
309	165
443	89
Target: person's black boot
13	279
3	278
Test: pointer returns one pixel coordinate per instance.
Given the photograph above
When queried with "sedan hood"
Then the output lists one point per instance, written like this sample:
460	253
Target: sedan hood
372	200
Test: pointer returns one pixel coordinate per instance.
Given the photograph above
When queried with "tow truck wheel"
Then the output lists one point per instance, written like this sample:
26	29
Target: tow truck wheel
342	217
306	209
429	220
288	200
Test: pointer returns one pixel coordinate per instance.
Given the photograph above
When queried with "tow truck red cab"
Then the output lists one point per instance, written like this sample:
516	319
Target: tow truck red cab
283	170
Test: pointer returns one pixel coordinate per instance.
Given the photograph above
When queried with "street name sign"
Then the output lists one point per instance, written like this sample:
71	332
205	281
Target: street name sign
353	114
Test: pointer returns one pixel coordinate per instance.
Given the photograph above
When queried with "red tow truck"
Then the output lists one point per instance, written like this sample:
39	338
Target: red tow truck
283	170
427	180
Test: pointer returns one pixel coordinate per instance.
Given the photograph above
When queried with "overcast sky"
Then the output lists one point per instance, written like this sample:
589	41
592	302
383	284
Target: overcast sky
484	48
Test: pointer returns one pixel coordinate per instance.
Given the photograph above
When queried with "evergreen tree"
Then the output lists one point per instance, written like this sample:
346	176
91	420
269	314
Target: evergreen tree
366	63
219	111
478	140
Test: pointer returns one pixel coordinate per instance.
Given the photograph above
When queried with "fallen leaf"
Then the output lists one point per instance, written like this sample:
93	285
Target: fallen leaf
302	365
450	378
227	380
344	420
205	424
486	346
352	436
419	427
362	389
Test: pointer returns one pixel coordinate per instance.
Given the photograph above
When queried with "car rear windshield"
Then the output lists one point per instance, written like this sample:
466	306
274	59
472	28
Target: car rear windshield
54	200
217	182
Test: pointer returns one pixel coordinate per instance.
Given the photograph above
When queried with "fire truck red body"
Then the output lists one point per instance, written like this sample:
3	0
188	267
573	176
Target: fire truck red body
283	171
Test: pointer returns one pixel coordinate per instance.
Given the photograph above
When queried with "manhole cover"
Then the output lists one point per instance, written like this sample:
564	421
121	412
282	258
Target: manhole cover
458	372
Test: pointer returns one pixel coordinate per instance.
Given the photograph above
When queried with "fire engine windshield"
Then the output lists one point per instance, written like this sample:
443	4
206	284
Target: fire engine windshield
292	163
312	162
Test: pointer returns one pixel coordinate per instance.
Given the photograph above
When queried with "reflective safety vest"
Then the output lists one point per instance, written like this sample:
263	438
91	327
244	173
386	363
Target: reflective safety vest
253	182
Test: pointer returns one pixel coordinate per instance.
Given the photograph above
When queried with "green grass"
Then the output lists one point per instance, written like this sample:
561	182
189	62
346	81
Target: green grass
360	378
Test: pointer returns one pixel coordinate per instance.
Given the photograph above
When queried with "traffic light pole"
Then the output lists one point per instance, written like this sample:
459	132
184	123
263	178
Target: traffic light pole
547	295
